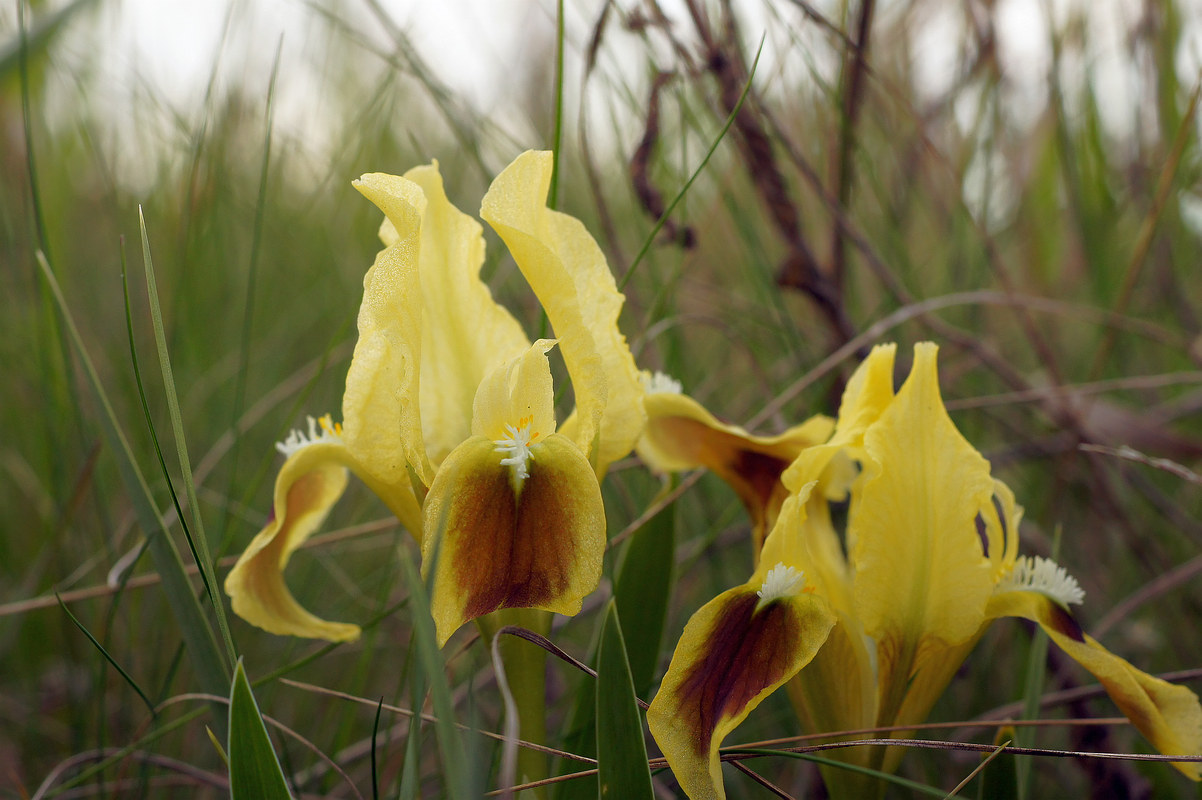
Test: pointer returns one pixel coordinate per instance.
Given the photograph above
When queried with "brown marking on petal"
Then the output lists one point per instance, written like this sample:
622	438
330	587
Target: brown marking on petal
982	533
1061	621
519	552
1001	515
748	652
753	474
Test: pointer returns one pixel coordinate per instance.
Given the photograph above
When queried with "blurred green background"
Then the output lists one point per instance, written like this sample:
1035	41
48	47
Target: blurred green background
1018	181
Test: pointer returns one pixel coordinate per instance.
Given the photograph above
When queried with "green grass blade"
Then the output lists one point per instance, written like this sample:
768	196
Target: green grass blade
196	535
622	769
664	217
643	590
1036	676
557	134
108	657
255	772
431	662
212	672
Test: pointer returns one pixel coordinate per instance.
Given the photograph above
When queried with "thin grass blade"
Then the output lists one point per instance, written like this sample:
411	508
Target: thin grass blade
196	535
206	658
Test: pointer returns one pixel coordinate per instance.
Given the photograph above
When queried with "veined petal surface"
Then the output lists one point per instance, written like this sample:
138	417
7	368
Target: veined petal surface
571	278
465	333
921	577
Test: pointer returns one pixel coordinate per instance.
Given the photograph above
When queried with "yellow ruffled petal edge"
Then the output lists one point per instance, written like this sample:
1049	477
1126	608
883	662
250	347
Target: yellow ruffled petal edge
465	332
730	657
1168	715
569	275
682	435
493	545
308	485
381	411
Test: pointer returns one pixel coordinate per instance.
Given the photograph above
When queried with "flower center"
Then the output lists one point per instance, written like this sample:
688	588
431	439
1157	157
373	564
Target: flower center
323	429
781	581
517	447
1045	576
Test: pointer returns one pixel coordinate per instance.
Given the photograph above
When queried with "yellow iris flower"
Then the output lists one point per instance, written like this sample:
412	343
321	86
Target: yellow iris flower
448	414
889	610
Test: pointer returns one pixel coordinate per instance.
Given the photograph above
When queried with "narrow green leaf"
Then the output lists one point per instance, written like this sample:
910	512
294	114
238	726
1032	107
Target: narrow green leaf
196	535
1036	676
211	670
255	772
998	777
128	678
430	659
643	590
730	120
375	729
623	772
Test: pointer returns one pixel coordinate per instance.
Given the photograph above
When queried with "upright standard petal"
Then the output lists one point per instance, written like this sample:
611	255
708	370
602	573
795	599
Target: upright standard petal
921	577
381	411
465	333
1168	715
682	435
571	278
514	518
734	652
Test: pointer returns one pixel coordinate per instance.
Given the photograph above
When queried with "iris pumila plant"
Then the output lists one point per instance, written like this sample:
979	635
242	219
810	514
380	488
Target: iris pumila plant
448	414
868	628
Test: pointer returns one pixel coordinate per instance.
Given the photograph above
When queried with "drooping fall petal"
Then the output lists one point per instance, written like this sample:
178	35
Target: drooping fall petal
734	652
500	546
682	435
310	482
571	278
1168	715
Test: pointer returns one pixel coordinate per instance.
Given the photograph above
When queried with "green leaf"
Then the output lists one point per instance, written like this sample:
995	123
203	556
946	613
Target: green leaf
455	767
254	769
642	591
622	766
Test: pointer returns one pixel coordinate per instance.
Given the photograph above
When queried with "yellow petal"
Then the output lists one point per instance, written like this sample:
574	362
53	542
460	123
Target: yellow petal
568	273
518	390
921	578
496	546
1168	715
465	333
381	412
682	435
309	483
731	656
868	393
